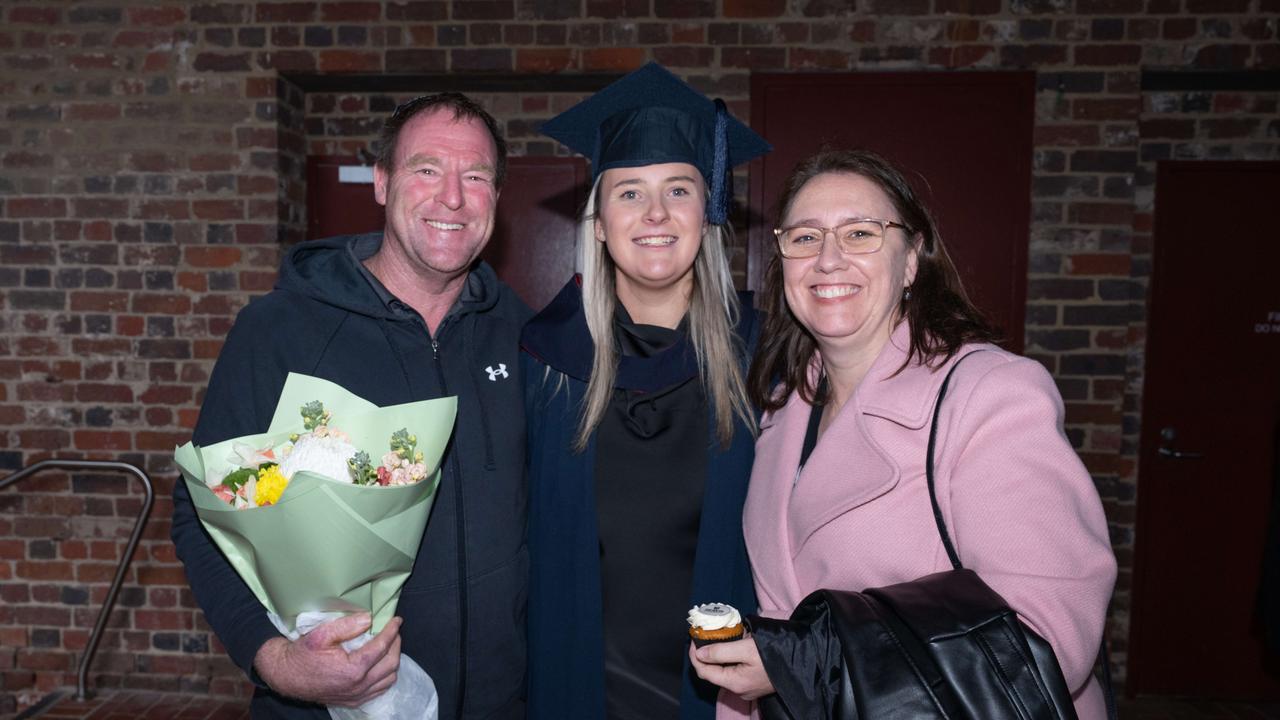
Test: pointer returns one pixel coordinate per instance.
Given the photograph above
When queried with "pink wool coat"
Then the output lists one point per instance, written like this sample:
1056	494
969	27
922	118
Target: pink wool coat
1021	509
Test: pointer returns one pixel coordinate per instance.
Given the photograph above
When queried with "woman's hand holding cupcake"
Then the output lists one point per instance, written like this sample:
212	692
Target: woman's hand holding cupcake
721	656
734	666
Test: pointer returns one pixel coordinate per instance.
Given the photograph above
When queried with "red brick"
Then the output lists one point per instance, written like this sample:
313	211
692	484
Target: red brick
967	7
1110	55
1223	57
689	33
166	441
157	62
483	10
1179	28
206	349
754	8
34	15
287	61
45	392
66	230
162	16
95	572
44	570
12	549
349	61
103	440
11	415
218	209
90	207
214	304
684	8
1218	7
1109	7
757	58
537	60
617	58
808	59
285	11
213	162
256	185
164	210
99	301
959	56
153	161
1091	413
49	660
166	395
24	159
1167	128
253	281
103	393
1100	264
963	31
260	87
1233	128
1114	339
93	111
253	234
94	61
161	304
36	207
1100	213
1106	109
690	56
152	575
350	11
111	347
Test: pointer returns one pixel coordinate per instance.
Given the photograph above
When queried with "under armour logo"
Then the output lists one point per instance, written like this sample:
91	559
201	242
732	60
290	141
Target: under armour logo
493	374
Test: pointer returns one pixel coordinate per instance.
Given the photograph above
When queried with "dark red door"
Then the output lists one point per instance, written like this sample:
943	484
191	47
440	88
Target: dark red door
965	138
1210	416
532	247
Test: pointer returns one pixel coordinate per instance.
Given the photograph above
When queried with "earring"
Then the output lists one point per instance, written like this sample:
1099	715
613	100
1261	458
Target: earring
906	293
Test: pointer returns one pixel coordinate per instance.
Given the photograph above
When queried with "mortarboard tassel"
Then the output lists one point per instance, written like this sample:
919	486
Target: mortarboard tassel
721	177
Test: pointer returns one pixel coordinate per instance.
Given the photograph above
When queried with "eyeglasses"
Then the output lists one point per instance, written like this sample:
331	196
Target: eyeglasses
857	237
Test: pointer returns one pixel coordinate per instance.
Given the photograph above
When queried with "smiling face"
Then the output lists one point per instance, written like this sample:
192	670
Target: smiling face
440	196
651	219
847	302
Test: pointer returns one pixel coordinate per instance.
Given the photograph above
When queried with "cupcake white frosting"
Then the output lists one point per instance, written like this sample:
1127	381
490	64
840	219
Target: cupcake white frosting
714	616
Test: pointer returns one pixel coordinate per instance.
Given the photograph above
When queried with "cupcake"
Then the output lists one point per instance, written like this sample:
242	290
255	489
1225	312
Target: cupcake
713	623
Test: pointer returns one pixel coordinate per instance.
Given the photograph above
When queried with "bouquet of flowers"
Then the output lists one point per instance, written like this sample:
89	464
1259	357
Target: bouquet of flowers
314	528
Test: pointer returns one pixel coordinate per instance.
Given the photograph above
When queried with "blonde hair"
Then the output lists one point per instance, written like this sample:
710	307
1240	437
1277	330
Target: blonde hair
713	313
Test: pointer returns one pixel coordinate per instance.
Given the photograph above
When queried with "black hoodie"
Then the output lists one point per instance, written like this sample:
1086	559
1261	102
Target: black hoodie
329	317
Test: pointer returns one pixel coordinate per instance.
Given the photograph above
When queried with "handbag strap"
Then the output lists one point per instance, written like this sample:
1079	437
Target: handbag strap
928	467
1104	657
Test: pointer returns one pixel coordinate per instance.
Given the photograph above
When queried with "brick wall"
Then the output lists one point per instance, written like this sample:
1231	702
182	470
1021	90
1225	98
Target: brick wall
152	167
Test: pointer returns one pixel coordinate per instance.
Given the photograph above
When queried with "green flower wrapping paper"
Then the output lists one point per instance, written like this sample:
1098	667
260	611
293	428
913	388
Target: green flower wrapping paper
325	545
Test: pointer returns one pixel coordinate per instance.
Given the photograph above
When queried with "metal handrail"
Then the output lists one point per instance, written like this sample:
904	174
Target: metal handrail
82	673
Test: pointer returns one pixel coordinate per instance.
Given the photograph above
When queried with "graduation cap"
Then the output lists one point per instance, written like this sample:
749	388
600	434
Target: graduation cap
651	117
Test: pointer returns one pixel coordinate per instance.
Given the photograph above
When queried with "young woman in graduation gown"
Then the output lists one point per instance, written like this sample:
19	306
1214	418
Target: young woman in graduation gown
640	432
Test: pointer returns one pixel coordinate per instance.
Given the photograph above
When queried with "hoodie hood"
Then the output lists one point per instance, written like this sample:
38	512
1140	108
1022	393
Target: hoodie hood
331	271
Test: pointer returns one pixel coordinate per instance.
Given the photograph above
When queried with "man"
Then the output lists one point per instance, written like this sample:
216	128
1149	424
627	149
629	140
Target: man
399	316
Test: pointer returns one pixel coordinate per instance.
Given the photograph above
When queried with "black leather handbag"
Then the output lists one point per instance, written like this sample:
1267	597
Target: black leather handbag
942	646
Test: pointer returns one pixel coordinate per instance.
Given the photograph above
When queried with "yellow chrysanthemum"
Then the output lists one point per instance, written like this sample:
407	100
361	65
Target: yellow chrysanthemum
271	485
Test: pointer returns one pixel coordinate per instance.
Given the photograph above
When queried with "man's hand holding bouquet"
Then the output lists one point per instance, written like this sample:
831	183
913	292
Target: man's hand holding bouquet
320	533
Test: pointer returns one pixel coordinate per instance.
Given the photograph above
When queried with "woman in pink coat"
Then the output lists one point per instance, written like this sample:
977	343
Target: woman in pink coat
866	317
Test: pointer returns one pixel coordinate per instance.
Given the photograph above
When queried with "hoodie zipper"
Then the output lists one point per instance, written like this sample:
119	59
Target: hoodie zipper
459	520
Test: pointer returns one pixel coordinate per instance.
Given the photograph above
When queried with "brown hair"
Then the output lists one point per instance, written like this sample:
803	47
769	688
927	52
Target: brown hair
463	107
939	314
